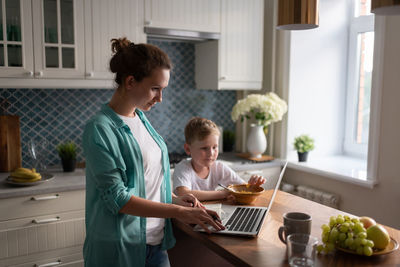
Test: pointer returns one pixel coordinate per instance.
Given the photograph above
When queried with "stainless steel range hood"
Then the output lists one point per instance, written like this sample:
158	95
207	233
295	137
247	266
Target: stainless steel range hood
180	34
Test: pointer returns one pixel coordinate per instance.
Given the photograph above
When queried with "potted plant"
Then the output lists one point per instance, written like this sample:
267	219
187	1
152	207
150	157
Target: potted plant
67	152
303	144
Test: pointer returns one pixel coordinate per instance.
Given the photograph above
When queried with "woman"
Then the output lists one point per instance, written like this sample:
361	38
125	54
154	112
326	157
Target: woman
128	191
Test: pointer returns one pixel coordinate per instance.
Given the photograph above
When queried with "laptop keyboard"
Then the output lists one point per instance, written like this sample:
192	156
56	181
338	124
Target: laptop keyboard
243	219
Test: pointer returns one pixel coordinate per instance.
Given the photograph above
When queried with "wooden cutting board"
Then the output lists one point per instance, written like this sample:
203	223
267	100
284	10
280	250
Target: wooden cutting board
264	158
10	143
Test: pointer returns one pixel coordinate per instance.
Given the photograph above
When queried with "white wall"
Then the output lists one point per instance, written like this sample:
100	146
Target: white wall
381	202
317	83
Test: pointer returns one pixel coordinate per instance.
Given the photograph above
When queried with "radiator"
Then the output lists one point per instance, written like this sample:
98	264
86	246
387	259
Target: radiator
325	198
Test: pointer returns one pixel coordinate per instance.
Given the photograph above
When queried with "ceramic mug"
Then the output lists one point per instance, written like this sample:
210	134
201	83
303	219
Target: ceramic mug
293	223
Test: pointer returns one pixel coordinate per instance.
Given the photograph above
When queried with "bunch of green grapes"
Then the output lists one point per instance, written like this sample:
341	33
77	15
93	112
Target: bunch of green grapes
345	232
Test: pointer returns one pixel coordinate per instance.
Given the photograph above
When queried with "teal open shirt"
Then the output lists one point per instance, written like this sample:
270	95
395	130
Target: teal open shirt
114	173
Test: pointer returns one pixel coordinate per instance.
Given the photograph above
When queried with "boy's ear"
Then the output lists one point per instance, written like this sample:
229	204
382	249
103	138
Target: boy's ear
187	148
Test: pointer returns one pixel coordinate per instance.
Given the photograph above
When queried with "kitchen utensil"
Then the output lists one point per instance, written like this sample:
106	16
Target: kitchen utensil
393	246
225	187
301	249
10	143
245	193
293	223
38	152
45	177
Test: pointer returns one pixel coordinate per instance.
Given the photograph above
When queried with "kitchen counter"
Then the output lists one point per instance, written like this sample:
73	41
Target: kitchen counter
63	181
237	163
68	181
201	249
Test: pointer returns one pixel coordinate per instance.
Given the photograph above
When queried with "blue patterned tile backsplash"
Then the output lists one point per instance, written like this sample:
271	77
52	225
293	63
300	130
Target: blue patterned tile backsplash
59	115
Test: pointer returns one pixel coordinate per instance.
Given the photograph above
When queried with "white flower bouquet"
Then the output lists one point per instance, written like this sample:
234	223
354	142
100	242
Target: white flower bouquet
266	108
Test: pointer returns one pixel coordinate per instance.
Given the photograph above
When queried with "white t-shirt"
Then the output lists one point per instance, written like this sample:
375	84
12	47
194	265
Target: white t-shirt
153	174
184	175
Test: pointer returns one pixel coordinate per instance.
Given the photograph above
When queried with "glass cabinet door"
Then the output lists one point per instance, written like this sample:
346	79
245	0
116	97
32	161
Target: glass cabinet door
10	34
15	45
58	38
58	32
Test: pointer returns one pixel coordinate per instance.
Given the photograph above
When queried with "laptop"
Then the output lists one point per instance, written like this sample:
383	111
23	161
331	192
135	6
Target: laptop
244	220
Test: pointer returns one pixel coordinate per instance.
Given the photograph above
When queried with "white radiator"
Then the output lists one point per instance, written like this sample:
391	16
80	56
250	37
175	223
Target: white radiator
325	198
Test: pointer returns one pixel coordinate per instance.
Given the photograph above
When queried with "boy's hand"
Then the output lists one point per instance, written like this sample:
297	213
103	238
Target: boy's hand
256	180
188	200
230	199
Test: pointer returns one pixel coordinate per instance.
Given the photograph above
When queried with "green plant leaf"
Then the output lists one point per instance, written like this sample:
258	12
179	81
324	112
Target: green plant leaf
303	143
67	150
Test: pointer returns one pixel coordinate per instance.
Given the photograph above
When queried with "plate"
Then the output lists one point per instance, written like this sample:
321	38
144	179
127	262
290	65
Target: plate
45	177
393	245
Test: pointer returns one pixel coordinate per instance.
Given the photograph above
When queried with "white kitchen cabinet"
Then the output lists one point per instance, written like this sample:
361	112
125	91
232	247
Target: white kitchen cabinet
236	60
42	39
58	38
43	229
70	45
107	19
192	15
16	49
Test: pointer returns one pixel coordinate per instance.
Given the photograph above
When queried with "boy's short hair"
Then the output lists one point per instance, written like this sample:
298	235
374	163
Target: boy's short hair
199	128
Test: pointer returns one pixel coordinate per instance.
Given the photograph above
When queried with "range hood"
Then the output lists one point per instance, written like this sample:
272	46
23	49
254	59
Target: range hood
180	34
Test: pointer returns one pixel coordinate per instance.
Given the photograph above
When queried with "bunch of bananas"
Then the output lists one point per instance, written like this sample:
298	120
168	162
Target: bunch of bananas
24	175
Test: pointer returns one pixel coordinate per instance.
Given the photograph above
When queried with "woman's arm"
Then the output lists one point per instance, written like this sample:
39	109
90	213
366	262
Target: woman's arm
146	208
187	200
201	194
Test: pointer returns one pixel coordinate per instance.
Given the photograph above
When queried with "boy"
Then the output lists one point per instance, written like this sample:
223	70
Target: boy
200	175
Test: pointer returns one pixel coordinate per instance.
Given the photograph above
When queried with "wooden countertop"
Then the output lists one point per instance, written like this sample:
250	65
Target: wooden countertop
266	249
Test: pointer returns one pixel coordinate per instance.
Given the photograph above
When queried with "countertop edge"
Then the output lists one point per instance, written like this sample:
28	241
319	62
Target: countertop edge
42	191
62	182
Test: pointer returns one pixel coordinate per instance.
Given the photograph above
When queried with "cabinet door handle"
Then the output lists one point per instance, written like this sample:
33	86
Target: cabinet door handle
222	78
46	220
89	74
49	264
45	198
29	73
39	73
147	22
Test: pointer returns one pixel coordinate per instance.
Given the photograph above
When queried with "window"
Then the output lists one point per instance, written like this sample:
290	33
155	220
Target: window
361	46
326	76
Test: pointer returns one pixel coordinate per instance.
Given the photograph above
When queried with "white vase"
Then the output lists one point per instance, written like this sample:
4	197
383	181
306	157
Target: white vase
256	141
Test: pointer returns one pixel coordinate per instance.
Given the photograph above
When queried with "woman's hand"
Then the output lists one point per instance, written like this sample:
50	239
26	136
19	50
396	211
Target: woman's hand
187	200
256	180
202	217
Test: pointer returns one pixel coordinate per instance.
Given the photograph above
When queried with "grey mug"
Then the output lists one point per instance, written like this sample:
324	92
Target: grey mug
294	222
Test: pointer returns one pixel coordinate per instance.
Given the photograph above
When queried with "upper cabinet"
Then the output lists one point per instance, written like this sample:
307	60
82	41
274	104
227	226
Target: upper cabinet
66	43
41	39
64	39
105	20
16	50
236	60
58	38
191	15
54	50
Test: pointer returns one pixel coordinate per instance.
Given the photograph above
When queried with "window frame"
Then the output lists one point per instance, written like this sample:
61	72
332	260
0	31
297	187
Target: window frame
358	25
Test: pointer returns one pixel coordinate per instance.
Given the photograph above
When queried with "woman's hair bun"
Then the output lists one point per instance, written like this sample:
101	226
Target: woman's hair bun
117	45
138	60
